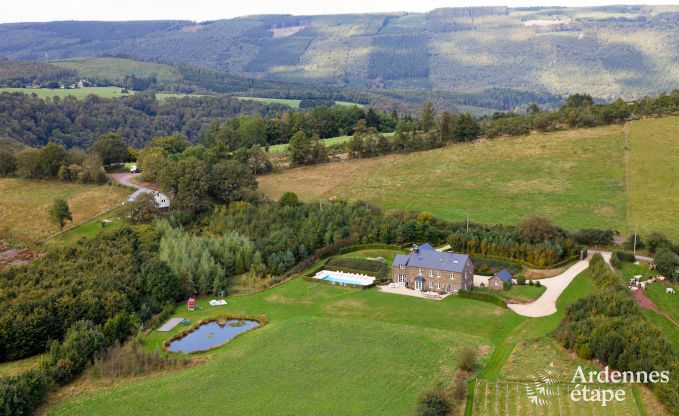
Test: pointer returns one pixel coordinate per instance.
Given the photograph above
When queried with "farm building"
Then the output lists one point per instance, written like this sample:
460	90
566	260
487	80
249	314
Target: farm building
427	269
497	281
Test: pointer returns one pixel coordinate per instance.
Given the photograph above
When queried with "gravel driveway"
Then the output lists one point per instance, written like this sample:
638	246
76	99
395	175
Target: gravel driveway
546	304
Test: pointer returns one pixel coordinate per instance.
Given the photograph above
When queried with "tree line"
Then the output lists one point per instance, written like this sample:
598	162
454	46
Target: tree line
609	326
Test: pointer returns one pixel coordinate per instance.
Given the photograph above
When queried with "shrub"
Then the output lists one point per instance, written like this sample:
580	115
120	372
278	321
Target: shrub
433	402
625	256
594	237
537	283
521	279
81	343
656	240
615	260
666	262
459	390
530	283
20	394
536	230
484	297
466	358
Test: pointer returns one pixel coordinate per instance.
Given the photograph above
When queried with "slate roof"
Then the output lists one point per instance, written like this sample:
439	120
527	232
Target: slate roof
432	259
426	246
504	275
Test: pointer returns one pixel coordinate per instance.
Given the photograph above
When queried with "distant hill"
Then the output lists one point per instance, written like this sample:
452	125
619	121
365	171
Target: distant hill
504	53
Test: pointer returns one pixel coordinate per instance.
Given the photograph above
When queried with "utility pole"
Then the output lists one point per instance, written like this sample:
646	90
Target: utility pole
467	223
635	241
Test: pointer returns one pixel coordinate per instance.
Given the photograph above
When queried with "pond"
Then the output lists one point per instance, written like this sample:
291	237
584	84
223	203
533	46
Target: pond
211	334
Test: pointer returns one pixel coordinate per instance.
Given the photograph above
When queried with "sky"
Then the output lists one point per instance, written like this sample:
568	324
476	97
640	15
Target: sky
201	10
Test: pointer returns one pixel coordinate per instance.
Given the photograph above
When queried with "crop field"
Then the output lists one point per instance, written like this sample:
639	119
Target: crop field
577	178
24	205
322	344
292	103
495	398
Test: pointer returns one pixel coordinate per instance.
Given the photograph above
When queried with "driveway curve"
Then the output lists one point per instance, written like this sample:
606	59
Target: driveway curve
545	305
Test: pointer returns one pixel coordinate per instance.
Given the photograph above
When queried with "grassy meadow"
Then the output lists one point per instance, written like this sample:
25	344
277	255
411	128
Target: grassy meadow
574	177
322	345
291	102
118	68
80	93
24	205
579	178
654	176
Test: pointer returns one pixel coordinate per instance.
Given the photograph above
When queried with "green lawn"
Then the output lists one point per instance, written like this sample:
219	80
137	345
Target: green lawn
524	293
325	350
667	302
388	255
108	221
629	270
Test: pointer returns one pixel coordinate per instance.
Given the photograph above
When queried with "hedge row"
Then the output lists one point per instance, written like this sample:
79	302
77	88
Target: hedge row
359	247
529	265
358	264
484	297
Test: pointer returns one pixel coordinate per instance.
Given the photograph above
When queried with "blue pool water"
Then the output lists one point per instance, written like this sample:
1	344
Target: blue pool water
339	280
210	335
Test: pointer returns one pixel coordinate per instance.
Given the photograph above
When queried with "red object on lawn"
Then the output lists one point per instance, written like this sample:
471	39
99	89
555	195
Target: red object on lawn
191	303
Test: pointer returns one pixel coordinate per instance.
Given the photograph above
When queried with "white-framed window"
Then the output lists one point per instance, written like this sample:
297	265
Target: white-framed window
401	278
402	266
452	275
431	285
420	272
438	274
448	287
431	273
456	286
438	285
418	284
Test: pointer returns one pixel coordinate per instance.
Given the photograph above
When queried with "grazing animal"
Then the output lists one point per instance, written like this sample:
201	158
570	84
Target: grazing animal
669	290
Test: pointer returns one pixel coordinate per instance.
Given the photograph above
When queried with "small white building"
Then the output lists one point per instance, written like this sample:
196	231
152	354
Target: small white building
162	201
134	169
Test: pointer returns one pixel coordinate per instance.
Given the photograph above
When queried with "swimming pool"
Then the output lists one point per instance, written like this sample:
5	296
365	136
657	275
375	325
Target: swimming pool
345	281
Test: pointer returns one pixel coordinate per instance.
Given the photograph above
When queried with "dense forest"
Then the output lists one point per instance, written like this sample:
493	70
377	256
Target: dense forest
550	50
137	118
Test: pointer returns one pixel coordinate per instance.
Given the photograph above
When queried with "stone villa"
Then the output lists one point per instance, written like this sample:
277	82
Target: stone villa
427	269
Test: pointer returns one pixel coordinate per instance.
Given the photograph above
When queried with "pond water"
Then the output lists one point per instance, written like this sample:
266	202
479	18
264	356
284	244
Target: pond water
211	334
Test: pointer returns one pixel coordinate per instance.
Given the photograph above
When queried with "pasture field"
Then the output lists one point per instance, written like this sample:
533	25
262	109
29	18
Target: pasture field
667	302
118	68
80	93
24	205
574	177
654	176
580	178
280	148
108	221
322	345
293	103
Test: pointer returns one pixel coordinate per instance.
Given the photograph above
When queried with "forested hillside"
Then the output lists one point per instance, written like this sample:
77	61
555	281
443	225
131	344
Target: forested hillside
612	51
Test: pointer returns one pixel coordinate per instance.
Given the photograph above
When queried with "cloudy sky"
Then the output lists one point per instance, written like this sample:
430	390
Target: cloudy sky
199	10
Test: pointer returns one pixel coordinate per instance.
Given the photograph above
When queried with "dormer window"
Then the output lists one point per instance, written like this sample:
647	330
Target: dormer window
438	274
431	273
402	266
452	275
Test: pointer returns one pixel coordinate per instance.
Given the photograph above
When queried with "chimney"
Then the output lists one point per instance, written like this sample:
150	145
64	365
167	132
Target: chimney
416	249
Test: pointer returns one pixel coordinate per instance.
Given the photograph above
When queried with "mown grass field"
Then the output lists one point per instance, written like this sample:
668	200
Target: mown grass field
325	350
24	205
574	177
577	178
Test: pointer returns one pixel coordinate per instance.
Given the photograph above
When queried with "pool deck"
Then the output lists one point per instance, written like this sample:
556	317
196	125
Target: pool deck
402	290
